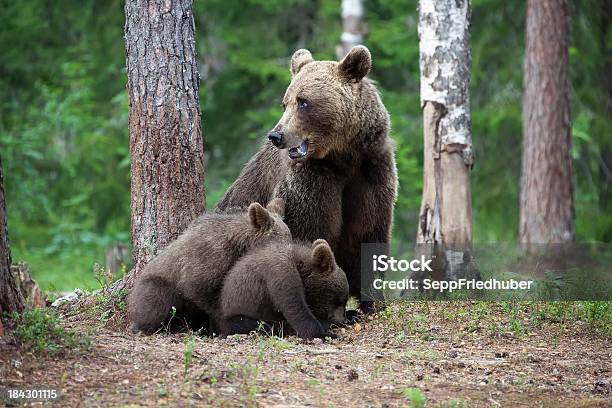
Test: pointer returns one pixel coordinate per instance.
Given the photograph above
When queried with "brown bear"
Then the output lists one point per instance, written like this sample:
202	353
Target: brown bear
297	283
330	158
188	274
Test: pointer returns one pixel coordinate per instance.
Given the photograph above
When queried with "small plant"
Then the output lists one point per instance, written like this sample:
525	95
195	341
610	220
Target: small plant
453	403
517	326
261	328
188	353
249	381
172	316
599	315
416	397
103	276
44	332
494	330
400	336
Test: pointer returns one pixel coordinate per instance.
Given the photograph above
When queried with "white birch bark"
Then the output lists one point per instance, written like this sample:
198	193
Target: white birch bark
353	28
446	211
444	41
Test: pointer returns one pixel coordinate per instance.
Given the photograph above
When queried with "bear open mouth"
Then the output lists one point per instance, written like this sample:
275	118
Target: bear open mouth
299	151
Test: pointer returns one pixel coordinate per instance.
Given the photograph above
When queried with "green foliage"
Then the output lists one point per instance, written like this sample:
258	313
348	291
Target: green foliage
416	397
44	332
188	353
63	135
63	113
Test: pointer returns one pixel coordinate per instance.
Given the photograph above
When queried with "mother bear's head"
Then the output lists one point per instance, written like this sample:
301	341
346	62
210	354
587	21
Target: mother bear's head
330	107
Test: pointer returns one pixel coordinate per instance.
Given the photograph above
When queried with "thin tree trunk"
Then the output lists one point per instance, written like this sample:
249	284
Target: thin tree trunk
166	146
11	298
547	206
353	28
445	221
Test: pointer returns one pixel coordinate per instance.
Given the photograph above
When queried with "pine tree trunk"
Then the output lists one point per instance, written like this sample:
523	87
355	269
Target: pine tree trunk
547	206
445	221
11	298
166	146
353	28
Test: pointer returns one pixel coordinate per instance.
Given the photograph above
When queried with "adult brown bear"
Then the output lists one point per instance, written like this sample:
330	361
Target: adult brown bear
330	158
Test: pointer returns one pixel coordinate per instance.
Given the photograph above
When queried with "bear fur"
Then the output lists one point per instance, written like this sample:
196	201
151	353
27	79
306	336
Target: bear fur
333	161
188	274
297	283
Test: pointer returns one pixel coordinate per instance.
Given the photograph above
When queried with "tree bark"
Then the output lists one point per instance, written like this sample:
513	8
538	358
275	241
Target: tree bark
166	146
11	298
547	205
445	221
353	27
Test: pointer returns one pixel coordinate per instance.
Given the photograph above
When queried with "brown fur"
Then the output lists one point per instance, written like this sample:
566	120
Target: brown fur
299	283
188	274
345	188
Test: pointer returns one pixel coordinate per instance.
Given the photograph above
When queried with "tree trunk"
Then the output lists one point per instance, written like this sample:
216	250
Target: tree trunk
166	146
547	206
445	220
11	298
353	28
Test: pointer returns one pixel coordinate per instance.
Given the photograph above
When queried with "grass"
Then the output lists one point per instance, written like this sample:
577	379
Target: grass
44	332
415	397
405	319
60	272
188	353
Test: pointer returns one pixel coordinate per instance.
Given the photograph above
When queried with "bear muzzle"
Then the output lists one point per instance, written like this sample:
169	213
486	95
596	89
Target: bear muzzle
298	148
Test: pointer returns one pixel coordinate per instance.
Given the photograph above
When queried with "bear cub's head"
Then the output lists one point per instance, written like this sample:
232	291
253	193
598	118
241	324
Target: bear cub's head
326	287
328	104
267	223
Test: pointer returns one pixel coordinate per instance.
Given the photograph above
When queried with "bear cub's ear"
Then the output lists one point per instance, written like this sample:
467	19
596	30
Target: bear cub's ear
299	59
260	217
323	257
319	242
277	206
356	64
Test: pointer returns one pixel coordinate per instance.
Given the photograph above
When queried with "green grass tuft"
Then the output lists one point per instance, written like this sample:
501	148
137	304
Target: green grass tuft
44	332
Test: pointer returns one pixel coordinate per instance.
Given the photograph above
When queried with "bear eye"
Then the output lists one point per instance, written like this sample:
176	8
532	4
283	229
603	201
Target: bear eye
302	103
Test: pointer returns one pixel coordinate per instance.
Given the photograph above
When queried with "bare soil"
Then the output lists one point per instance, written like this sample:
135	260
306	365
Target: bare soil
456	354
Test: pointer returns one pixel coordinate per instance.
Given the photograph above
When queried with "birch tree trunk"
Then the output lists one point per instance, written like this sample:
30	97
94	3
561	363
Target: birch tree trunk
547	205
166	146
11	298
353	28
445	219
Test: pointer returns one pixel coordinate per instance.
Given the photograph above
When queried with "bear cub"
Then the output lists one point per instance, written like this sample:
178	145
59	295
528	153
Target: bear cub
297	283
188	274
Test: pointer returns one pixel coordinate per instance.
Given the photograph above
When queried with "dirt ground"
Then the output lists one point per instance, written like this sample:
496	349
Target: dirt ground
455	354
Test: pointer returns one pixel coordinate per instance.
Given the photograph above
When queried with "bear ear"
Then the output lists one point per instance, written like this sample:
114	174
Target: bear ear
277	206
323	258
318	242
299	59
356	64
259	217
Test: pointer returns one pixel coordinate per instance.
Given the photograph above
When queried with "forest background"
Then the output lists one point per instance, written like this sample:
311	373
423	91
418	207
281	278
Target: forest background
63	113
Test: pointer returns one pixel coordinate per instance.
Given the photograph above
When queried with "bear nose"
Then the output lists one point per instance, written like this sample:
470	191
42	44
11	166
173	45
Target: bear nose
276	137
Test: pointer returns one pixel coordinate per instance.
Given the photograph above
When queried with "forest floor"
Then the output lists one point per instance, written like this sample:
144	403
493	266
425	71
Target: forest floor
459	354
